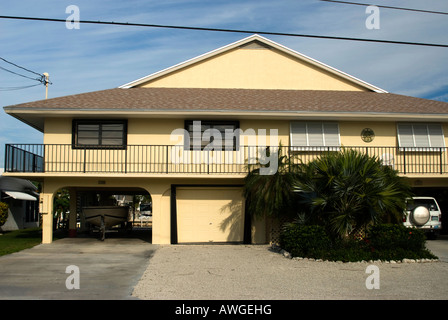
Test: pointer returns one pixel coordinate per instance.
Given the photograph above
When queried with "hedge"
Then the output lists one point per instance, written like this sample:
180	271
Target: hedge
383	242
3	213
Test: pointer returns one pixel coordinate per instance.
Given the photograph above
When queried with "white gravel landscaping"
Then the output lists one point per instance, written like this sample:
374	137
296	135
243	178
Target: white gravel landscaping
257	272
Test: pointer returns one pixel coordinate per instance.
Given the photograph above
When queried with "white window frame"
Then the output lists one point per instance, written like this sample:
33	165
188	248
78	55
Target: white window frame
414	146
309	147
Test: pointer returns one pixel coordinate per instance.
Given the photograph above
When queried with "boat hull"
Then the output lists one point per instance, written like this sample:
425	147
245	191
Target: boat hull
109	215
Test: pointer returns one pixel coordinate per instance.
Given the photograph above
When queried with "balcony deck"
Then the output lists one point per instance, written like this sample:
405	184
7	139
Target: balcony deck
176	160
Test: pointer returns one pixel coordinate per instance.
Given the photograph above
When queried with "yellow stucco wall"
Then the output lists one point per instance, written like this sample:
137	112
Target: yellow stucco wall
148	131
58	130
155	134
253	69
385	133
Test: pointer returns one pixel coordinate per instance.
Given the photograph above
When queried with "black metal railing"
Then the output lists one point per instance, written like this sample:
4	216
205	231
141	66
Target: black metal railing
24	158
169	159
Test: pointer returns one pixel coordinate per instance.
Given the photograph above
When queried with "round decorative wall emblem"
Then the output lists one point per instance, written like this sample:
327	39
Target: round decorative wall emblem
367	135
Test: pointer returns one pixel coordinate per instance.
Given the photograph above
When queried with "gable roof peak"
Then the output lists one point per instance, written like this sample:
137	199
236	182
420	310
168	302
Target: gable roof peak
243	42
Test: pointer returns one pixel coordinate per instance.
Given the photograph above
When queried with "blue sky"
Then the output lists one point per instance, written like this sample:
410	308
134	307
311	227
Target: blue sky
97	57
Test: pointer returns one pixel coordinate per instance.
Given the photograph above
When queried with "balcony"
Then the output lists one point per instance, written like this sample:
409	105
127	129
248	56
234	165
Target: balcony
168	159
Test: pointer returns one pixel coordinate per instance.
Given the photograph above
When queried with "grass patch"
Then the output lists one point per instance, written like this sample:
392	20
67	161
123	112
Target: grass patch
18	240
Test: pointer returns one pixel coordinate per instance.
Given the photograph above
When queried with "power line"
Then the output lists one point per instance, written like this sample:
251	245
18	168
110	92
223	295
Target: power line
18	88
15	65
18	74
386	7
42	79
229	30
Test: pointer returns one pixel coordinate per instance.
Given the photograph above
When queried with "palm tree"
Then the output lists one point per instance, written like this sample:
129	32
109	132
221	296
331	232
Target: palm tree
270	194
348	191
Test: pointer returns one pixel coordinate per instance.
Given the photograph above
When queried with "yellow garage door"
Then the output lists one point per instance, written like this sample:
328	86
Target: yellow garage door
210	215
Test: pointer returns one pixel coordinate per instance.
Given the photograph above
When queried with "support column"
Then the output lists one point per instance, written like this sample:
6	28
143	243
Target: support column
160	195
46	208
73	213
49	187
159	235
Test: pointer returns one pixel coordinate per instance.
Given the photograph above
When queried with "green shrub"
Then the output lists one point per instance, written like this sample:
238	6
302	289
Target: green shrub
400	254
305	241
384	242
396	236
348	250
3	213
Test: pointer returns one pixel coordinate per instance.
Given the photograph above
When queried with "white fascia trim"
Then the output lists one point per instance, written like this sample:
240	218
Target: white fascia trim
286	114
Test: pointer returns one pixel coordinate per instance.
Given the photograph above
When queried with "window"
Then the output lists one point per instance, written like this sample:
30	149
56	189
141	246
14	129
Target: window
314	136
99	133
212	134
420	135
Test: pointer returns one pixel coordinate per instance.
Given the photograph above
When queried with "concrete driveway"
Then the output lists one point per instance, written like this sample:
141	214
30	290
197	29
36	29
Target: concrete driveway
128	268
439	247
107	270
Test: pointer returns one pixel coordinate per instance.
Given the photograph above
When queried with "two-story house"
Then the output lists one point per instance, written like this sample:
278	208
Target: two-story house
158	135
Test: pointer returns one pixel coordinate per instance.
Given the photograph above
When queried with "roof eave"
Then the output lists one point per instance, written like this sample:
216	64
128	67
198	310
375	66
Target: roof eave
26	115
38	126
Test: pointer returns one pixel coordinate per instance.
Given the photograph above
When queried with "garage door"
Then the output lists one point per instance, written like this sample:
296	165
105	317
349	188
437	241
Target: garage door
210	215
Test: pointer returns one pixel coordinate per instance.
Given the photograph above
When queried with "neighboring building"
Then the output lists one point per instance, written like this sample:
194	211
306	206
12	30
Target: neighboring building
22	199
122	140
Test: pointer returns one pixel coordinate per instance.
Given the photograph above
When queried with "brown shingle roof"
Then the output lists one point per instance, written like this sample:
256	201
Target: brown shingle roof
172	99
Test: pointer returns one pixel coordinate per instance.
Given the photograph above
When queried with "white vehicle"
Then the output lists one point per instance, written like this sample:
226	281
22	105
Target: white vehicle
145	212
424	213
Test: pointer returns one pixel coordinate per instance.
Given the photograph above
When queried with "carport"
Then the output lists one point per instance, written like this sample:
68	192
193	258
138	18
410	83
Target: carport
81	196
106	198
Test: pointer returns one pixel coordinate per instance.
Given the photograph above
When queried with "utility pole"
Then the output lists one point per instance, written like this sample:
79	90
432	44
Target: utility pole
47	76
